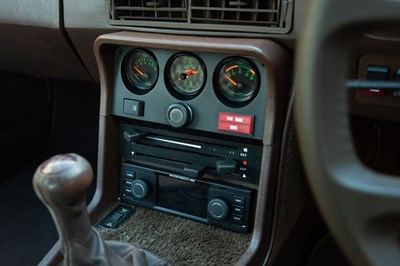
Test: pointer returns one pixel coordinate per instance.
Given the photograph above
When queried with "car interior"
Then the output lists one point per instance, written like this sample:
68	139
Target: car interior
189	132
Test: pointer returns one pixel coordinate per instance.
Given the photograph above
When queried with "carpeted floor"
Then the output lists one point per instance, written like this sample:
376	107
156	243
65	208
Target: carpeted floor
178	240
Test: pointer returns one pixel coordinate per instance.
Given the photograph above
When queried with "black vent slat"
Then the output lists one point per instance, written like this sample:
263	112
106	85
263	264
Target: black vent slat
258	16
151	18
160	9
269	11
218	21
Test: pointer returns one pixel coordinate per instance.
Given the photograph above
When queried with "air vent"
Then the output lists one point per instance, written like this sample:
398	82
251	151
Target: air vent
238	12
151	10
247	16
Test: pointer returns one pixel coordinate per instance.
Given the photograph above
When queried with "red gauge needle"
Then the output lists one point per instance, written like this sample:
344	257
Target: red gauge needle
188	73
230	80
191	72
138	70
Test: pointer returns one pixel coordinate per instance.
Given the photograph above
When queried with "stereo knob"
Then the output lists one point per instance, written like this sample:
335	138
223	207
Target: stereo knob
217	209
140	189
179	115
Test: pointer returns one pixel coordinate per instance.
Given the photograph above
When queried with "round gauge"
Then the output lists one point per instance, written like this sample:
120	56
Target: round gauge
140	71
185	75
236	81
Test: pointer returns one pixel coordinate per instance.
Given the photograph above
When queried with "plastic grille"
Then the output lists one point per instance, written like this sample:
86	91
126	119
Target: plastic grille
250	16
159	10
240	12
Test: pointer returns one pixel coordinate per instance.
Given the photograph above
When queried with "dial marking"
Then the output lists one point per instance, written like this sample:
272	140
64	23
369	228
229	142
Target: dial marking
229	68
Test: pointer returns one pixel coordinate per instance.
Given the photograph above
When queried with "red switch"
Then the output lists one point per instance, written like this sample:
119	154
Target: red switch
236	123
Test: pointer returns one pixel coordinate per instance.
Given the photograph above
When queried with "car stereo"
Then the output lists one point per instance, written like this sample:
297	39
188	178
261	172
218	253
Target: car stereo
205	179
208	202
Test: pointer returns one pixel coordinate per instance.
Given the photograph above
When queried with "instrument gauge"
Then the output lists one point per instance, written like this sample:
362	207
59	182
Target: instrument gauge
140	71
185	76
236	81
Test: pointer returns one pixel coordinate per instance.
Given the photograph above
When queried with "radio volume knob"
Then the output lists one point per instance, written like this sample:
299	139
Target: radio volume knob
217	209
140	189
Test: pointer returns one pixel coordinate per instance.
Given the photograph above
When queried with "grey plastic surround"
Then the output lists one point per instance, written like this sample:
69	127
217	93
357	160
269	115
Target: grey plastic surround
285	10
361	207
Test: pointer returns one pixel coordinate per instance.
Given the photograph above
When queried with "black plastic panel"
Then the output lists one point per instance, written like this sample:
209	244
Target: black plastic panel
206	106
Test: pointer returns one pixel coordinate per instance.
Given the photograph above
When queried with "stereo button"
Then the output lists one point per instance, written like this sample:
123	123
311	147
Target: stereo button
128	182
238	209
129	174
237	219
238	200
128	190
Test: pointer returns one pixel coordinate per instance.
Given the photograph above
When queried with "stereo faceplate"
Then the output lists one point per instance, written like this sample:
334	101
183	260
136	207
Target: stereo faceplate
211	203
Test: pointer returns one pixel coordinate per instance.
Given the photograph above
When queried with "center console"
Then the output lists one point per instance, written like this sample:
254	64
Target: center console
191	127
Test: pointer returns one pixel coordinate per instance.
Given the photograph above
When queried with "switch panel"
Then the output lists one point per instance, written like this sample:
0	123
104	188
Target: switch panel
377	73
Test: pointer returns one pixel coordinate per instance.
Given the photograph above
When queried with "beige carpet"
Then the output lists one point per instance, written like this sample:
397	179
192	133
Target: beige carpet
178	240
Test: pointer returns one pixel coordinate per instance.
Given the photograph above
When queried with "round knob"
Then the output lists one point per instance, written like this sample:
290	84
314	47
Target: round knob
63	180
217	209
140	189
179	115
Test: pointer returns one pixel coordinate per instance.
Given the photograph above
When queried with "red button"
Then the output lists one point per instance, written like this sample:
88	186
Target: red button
236	118
237	128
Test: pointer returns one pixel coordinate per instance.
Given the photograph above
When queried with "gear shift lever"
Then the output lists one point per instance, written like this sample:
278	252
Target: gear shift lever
60	183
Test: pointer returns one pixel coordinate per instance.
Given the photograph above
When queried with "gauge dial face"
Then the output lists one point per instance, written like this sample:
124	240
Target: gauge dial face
237	80
140	69
186	75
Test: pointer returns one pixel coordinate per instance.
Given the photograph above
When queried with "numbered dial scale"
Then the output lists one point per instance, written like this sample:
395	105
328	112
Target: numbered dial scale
236	81
185	75
140	71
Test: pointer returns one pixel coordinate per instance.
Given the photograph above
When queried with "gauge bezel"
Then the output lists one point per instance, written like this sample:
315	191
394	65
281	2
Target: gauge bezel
178	94
128	83
219	92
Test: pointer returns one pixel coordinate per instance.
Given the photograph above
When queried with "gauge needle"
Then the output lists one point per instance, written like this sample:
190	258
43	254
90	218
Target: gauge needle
230	80
138	70
191	72
188	73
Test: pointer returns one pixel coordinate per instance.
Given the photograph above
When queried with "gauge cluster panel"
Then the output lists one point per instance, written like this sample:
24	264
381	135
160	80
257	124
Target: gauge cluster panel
219	93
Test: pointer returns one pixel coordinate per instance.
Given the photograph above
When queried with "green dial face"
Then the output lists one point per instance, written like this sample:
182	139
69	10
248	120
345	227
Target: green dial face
141	70
186	74
237	80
